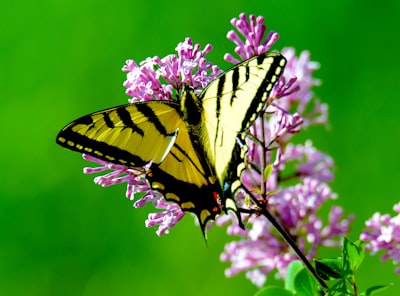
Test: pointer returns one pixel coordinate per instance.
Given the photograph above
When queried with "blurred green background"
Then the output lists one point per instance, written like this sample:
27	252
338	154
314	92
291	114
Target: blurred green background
63	235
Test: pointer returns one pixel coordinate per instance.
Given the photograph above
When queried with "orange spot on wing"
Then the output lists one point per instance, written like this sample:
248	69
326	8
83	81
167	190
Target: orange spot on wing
218	200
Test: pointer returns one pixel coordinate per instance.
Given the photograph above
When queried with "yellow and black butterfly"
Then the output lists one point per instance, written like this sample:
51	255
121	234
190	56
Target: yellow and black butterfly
194	146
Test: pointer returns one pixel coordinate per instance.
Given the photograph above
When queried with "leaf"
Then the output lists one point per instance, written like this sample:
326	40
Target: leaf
353	255
272	192
374	289
329	269
257	190
293	269
267	171
274	291
248	202
338	289
305	284
357	253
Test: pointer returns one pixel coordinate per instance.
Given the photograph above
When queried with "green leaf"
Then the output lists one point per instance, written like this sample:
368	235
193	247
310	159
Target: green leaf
248	202
274	291
329	269
257	190
338	289
272	192
353	255
293	269
374	289
357	253
305	284
267	171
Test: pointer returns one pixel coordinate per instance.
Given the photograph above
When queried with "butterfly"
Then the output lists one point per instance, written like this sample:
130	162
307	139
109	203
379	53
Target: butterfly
195	146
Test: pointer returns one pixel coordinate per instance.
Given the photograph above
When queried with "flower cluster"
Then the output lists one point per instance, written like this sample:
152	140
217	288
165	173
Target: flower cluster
296	187
189	67
383	234
253	33
157	79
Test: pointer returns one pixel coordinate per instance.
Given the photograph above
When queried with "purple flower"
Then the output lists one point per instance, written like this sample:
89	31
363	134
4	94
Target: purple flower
253	32
189	67
261	250
157	79
295	188
136	183
298	94
383	234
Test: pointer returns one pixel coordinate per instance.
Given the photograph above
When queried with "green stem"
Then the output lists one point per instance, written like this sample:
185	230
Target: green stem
287	237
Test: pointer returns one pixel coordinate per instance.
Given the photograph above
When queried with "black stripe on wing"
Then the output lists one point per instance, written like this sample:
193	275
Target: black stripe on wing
190	197
235	83
152	117
109	123
83	144
201	170
126	119
263	91
72	137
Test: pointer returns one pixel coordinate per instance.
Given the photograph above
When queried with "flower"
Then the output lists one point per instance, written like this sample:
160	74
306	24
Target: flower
261	250
298	93
296	186
157	79
382	233
253	32
189	67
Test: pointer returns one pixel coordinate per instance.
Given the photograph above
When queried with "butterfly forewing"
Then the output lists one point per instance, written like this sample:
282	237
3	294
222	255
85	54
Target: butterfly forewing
119	134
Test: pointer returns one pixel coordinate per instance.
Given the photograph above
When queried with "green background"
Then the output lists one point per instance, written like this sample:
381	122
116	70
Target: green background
63	235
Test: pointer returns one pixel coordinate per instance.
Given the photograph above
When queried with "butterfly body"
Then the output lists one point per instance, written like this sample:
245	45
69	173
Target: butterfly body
196	157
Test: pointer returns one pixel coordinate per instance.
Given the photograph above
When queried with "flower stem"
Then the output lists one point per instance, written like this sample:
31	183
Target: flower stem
287	237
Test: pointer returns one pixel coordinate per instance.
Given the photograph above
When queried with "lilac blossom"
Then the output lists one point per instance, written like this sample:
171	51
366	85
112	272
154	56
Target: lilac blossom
296	207
299	94
189	67
136	183
253	32
296	188
157	79
382	233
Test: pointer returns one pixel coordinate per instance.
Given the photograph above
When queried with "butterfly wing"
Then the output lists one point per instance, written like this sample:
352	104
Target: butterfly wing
230	105
186	178
119	134
134	135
